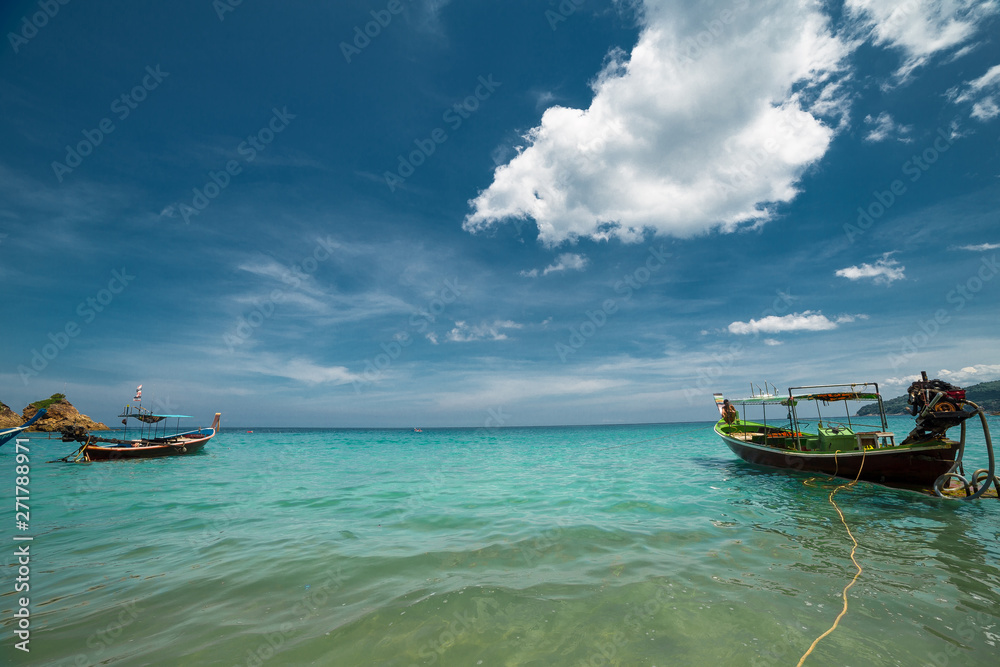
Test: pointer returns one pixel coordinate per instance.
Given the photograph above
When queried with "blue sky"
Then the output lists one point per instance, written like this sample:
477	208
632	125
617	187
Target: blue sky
472	213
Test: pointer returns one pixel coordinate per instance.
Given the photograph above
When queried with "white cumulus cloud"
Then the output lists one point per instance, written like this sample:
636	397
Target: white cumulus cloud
971	374
884	271
905	380
708	123
805	321
985	109
968	375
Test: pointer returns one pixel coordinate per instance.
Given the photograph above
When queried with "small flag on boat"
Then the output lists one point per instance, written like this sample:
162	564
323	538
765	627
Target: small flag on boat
138	393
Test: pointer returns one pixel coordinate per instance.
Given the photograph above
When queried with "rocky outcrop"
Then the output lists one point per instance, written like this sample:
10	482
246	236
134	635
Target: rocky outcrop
60	415
9	418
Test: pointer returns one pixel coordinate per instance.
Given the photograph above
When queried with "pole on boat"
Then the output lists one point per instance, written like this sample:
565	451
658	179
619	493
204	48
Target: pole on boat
796	431
881	409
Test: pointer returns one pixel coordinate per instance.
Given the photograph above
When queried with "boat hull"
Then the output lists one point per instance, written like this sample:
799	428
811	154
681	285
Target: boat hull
918	466
184	445
8	434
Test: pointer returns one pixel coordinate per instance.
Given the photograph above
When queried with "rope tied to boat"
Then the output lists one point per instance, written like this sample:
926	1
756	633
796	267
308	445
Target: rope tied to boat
981	478
854	549
78	454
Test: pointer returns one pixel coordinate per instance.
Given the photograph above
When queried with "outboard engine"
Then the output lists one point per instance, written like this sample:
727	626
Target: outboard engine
937	406
74	434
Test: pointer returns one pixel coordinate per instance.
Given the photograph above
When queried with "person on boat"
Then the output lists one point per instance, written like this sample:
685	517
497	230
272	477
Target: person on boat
729	413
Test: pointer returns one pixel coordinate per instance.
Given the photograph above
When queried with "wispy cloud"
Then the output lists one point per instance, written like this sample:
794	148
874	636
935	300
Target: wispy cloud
884	127
301	370
525	385
268	267
565	262
884	271
429	16
465	333
982	247
920	28
309	276
984	93
805	321
681	137
66	209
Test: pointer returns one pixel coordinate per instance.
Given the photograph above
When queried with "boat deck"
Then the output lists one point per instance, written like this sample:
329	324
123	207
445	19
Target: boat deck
828	438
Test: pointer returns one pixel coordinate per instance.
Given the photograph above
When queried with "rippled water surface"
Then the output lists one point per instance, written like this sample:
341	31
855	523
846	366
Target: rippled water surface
620	545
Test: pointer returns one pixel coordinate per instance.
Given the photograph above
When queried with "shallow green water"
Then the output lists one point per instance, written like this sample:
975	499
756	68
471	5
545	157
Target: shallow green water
542	546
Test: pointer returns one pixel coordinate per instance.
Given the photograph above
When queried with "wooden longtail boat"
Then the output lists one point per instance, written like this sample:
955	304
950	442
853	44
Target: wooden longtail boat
149	444
804	439
10	433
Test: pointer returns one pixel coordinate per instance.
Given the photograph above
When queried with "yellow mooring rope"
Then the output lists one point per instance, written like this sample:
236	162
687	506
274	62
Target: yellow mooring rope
853	550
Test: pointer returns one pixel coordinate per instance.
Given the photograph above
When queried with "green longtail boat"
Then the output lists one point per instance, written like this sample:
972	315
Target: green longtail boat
812	430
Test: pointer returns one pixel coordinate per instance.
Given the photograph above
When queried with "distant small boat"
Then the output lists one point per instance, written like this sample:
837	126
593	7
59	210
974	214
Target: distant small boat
846	446
10	433
418	430
148	445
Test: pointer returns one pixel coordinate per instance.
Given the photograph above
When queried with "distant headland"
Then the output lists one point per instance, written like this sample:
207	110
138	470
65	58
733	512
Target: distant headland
60	414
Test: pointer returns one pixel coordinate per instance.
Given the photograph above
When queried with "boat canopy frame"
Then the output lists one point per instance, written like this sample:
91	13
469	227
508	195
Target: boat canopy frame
857	393
149	422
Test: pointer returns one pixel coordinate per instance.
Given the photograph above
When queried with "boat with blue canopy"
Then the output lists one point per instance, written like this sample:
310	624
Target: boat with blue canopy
152	441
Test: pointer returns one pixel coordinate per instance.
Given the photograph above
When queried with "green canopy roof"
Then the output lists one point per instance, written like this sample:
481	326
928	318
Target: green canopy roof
762	400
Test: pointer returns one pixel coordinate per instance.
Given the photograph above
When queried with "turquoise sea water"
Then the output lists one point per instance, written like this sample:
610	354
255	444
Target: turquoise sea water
605	545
